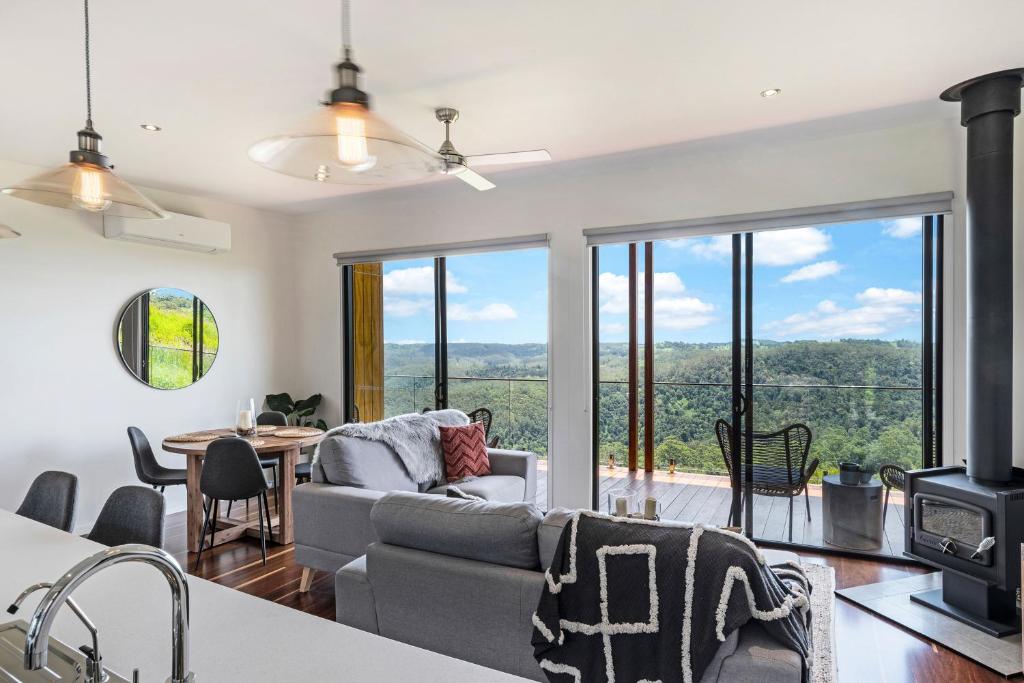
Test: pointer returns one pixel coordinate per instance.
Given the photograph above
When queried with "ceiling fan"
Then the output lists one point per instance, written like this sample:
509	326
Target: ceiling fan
458	165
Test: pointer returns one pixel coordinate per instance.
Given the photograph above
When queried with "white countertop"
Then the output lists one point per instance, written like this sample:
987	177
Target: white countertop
235	637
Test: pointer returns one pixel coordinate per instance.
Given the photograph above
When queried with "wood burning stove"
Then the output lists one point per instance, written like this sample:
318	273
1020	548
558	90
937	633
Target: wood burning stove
969	522
972	531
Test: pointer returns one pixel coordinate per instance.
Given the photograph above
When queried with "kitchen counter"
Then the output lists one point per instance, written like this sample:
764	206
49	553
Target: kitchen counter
235	637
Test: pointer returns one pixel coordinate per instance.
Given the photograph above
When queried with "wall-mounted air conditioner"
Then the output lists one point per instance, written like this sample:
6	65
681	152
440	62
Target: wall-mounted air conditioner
177	231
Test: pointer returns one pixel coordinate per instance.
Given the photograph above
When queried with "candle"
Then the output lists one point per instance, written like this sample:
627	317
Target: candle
245	420
650	508
620	507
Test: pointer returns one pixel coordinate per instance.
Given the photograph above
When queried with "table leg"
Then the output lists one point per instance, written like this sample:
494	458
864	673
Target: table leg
194	506
285	534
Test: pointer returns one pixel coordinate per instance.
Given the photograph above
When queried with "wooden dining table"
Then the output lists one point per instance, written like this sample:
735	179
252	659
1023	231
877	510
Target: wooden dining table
228	529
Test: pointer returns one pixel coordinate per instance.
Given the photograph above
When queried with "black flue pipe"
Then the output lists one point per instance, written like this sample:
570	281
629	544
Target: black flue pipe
988	106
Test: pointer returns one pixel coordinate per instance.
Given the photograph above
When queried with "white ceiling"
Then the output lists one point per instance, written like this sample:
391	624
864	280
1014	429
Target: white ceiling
579	77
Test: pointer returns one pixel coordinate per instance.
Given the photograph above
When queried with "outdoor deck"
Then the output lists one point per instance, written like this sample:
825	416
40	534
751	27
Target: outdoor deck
706	498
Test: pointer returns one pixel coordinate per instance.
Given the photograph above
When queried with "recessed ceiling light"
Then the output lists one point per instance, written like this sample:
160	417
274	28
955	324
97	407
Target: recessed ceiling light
771	92
150	127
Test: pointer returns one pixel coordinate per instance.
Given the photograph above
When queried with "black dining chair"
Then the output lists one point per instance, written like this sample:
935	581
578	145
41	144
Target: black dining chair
147	469
51	500
232	471
277	419
132	514
303	470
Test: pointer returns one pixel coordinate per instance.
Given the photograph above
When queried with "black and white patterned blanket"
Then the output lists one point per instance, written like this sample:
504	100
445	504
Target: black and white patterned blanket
634	600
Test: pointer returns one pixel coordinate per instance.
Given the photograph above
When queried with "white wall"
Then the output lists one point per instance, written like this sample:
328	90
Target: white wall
66	398
902	152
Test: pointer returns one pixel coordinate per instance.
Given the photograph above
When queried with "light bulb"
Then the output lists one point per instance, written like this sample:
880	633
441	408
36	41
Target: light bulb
350	123
88	189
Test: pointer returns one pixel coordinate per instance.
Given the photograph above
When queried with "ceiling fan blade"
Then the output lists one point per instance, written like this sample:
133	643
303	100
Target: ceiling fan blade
475	179
509	157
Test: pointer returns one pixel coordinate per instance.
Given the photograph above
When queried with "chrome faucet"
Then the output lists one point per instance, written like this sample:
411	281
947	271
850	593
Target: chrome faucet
38	636
94	672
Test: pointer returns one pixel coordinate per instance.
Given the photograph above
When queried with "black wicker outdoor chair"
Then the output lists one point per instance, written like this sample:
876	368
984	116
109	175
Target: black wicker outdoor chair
779	465
893	477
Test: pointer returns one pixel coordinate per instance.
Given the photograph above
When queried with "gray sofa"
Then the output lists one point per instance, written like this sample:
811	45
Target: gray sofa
332	512
463	578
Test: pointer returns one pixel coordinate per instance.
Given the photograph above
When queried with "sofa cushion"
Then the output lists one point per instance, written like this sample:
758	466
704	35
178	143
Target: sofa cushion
497	488
364	464
465	451
550	532
750	655
499	533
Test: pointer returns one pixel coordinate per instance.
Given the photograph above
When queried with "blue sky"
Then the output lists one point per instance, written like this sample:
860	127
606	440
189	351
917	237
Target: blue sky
852	280
860	280
492	297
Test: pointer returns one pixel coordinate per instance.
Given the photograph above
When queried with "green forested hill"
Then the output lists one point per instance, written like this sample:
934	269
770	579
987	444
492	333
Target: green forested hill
874	418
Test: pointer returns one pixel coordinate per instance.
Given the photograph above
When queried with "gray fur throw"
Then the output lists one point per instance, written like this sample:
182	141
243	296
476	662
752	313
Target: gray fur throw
415	437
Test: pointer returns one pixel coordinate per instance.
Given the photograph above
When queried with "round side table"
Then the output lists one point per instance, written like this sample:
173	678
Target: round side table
851	515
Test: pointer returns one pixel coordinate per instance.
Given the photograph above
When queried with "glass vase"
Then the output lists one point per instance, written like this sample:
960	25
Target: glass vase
245	417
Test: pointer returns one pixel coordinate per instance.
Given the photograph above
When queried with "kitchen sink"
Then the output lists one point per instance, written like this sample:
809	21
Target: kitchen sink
64	663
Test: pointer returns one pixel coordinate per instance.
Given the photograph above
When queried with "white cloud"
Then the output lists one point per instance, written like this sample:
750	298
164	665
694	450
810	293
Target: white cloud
902	228
488	312
418	280
407	341
672	309
884	297
827	306
410	291
719	247
406	308
815	271
771	247
881	311
613	328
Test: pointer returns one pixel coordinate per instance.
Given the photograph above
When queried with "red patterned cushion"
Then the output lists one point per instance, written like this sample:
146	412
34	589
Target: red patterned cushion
465	451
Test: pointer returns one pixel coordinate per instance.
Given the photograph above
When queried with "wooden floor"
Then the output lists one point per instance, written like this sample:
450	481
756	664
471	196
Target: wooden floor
869	648
706	498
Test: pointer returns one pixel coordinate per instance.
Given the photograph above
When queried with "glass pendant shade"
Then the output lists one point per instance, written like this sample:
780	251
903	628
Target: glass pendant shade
347	144
86	187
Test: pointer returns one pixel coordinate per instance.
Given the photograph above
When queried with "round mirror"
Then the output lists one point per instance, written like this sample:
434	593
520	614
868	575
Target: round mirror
167	338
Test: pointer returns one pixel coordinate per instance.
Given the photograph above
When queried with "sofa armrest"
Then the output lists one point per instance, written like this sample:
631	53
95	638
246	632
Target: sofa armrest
518	464
353	597
334	519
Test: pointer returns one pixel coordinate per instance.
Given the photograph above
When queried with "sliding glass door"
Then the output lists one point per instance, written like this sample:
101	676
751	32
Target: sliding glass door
463	331
826	335
496	325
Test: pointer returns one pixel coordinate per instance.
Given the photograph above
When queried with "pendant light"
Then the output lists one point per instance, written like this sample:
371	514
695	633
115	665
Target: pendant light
88	182
345	142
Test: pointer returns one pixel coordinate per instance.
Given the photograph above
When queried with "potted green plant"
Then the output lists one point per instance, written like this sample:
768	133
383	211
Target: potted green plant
300	413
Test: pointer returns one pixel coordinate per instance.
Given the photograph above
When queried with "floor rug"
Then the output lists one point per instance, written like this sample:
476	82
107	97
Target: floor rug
823	622
891	599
